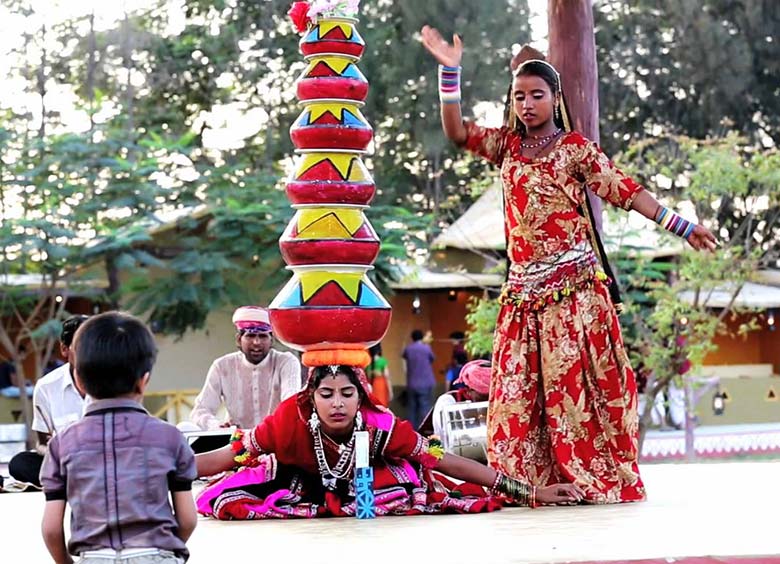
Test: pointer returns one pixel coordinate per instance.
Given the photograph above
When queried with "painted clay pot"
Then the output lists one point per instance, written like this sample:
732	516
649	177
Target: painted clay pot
332	77
329	307
333	35
328	234
324	177
331	124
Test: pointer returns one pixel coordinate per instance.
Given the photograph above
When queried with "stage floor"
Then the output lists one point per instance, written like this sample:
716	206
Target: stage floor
713	509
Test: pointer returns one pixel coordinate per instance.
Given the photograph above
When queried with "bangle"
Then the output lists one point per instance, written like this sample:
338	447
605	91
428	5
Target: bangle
494	487
673	223
449	84
517	491
242	455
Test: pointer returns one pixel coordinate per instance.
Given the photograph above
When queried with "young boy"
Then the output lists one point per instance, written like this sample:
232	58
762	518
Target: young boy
116	466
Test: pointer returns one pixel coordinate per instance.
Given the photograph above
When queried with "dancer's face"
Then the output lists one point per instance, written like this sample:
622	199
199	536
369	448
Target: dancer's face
533	101
336	400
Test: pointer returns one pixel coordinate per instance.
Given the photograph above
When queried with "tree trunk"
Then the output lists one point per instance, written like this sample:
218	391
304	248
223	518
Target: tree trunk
42	85
90	79
436	168
127	62
112	273
27	410
573	53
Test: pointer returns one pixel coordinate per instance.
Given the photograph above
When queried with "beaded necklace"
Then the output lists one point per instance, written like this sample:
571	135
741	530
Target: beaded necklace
344	464
538	148
542	140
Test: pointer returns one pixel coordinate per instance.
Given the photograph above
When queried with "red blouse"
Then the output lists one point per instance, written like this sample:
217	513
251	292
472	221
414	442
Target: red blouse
543	197
285	434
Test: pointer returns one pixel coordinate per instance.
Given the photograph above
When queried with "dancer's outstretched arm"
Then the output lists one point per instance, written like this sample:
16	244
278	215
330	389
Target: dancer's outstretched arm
215	461
449	57
472	471
700	238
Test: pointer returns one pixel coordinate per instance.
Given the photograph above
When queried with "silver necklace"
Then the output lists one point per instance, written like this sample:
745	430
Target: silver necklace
344	464
542	140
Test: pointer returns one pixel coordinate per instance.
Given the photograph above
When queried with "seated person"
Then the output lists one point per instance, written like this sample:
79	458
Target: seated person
250	382
459	360
56	404
299	462
8	387
473	384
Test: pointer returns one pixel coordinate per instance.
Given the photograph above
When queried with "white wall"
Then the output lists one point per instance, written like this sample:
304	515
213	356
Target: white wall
183	364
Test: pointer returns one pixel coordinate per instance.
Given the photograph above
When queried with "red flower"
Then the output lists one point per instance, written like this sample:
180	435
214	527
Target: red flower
299	14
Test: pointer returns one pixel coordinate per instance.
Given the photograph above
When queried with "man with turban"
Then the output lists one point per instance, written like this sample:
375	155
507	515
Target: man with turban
250	382
475	386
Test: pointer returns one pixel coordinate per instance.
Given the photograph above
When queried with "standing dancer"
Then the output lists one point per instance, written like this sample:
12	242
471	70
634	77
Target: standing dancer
562	395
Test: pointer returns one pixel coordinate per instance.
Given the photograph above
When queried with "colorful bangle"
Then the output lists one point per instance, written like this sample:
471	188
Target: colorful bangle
673	223
433	453
449	84
242	456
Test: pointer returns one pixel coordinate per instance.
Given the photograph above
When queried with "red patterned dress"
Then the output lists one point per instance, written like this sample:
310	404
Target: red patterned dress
563	404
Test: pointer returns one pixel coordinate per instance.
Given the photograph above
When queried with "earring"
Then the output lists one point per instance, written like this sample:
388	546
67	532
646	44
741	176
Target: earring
558	111
314	421
359	421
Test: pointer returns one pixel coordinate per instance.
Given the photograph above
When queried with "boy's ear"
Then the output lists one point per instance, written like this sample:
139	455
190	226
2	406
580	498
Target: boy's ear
140	385
79	384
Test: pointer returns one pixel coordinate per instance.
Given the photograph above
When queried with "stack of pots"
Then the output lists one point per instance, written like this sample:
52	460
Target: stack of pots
330	304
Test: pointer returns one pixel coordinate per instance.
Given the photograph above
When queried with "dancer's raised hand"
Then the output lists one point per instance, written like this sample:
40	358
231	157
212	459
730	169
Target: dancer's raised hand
443	52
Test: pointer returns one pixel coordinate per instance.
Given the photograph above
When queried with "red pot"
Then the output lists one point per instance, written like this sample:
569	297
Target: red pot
333	35
330	192
331	137
332	77
327	234
336	87
307	329
329	306
333	251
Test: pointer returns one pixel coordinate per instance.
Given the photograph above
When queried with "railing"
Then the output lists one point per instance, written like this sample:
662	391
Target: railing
173	403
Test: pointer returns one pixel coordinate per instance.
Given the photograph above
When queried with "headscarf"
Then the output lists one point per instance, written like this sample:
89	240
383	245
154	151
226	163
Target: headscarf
476	375
252	319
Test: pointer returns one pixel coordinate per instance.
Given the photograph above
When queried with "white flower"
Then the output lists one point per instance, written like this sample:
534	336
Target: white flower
328	8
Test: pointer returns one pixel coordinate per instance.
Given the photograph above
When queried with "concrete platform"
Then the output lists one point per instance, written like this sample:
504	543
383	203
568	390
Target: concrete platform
725	510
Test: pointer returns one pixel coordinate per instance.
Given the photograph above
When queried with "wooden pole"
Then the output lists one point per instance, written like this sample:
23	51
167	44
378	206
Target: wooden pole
573	52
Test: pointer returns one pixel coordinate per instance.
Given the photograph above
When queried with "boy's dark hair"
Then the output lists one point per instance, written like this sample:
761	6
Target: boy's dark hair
113	351
417	335
69	327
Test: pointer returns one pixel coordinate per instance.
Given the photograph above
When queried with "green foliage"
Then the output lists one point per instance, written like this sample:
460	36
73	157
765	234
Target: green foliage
481	318
693	68
668	326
